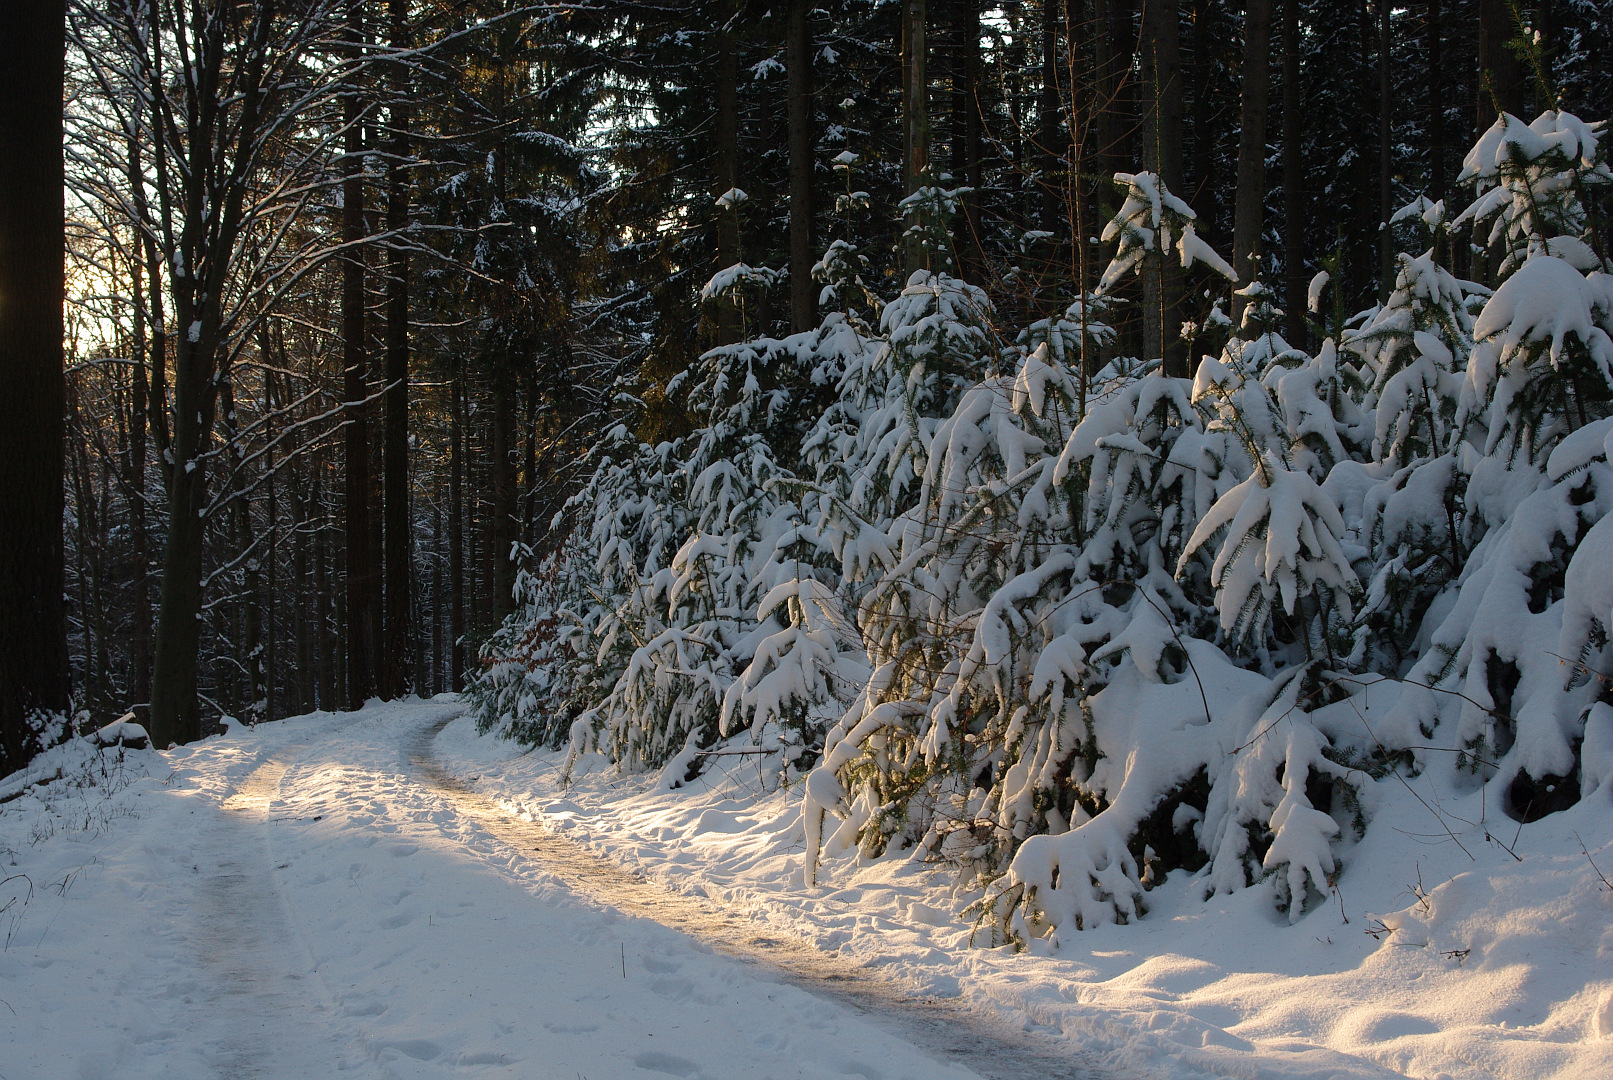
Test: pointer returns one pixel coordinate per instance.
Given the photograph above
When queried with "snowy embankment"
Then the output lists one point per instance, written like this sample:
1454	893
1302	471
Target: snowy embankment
293	902
1457	944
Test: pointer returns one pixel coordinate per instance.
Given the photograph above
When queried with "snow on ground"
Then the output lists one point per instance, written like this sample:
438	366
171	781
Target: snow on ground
291	902
1441	955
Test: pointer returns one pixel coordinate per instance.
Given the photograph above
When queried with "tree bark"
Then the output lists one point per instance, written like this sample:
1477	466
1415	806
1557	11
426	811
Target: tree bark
798	61
395	467
1386	240
725	174
1433	50
915	124
966	134
1162	69
360	577
505	522
135	479
438	658
329	678
1296	284
1501	81
250	611
456	532
1248	216
1049	126
34	680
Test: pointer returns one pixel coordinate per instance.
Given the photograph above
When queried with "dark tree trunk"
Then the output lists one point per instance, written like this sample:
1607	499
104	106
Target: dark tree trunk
456	532
175	709
249	609
1295	282
438	683
1162	68
504	524
1386	240
395	467
725	174
1501	80
1203	190
33	617
302	686
325	622
915	122
360	576
798	61
135	483
966	134
1434	31
1049	127
1248	217
271	654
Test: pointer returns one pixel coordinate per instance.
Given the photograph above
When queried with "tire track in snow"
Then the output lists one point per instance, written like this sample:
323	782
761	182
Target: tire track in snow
993	1049
266	1001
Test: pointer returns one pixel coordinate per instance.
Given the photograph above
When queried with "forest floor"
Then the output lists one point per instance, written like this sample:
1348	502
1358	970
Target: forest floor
388	894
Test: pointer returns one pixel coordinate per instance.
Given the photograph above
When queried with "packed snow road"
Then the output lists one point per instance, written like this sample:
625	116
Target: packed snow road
313	897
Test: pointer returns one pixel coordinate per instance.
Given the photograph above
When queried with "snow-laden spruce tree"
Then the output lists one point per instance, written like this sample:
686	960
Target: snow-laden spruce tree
808	659
1509	643
705	608
1074	627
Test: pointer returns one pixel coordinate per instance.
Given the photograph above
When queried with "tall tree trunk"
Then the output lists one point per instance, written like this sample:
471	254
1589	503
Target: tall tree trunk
34	679
1433	50
251	617
395	467
456	531
355	389
175	708
505	523
84	514
725	174
1296	285
527	494
1162	69
135	485
1248	216
1501	79
798	62
302	684
438	683
324	622
966	135
146	284
1202	193
915	124
1049	127
1386	240
271	629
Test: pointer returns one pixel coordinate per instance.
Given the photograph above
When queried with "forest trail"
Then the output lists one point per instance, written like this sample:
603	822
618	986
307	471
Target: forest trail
312	898
990	1049
262	1004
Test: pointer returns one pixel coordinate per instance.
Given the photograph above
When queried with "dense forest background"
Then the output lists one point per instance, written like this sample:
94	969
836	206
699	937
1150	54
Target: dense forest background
1070	441
354	290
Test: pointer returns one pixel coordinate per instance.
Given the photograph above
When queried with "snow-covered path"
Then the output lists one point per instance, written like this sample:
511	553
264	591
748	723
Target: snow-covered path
263	1019
295	901
321	896
990	1048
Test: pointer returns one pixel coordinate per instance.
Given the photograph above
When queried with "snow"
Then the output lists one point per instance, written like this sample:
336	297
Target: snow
291	901
1482	966
294	900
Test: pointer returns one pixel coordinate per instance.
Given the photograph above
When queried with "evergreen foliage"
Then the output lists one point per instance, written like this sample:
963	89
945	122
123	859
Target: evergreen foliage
1074	628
